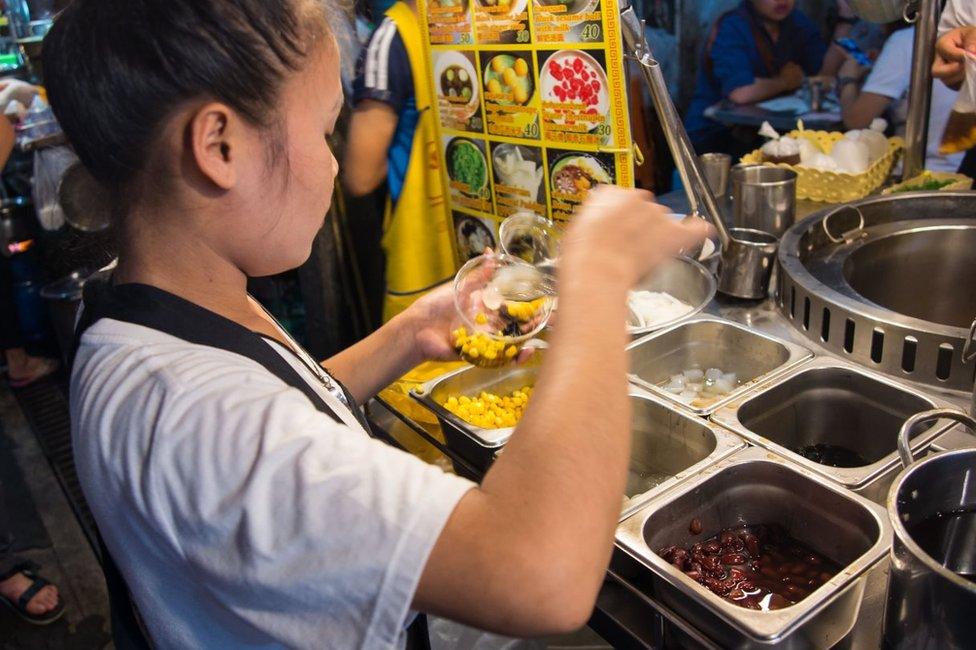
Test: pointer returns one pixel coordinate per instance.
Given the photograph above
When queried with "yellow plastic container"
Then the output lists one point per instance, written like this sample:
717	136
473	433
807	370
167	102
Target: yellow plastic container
835	187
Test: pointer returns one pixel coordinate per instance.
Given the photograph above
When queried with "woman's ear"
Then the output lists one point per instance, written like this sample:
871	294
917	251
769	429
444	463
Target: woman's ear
213	146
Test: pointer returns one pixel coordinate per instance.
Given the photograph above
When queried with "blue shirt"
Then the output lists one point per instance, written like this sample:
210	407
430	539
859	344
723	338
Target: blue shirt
384	75
734	59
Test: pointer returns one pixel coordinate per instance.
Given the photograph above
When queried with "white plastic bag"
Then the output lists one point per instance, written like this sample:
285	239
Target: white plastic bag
448	635
49	167
960	133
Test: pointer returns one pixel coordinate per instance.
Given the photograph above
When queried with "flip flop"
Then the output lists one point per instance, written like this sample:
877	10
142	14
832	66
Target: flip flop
48	368
20	606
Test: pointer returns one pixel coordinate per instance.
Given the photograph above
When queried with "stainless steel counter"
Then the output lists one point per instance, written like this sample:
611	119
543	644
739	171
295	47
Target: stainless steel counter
625	615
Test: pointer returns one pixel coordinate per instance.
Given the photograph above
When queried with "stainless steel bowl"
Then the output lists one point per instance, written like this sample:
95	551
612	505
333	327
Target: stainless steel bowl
754	486
833	403
707	342
686	280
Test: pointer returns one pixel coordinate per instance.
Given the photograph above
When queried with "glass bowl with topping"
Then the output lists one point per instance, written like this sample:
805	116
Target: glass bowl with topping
503	302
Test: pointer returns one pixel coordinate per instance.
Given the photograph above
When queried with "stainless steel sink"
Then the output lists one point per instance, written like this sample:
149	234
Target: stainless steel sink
754	486
926	273
834	408
710	343
887	283
668	446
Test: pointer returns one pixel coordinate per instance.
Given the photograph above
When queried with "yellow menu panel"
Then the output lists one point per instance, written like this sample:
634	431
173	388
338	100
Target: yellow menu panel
531	104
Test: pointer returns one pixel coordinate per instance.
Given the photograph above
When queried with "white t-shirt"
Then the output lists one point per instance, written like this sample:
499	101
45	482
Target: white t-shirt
891	77
957	13
239	514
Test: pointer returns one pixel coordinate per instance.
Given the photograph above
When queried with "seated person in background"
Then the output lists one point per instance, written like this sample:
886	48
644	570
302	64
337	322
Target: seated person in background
885	94
757	51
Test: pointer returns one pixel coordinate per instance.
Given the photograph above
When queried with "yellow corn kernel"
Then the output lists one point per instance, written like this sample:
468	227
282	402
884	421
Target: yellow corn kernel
481	319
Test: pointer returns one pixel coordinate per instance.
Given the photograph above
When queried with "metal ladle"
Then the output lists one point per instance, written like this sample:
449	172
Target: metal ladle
747	255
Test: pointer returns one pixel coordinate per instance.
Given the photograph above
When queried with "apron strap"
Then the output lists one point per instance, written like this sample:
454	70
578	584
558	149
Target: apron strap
148	306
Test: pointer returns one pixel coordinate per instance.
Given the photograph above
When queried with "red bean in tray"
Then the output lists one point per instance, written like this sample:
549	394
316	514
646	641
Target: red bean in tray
757	567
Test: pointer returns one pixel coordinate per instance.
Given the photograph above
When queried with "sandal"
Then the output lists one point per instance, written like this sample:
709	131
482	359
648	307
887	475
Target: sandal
47	368
20	606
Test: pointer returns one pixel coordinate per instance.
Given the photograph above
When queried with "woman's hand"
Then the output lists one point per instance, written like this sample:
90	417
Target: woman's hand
625	232
791	77
431	321
950	54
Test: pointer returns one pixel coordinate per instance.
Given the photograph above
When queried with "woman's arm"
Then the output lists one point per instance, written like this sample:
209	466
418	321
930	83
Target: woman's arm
790	78
8	138
418	334
858	108
526	554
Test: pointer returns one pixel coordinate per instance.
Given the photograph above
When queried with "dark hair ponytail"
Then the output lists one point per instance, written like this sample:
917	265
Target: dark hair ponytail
115	69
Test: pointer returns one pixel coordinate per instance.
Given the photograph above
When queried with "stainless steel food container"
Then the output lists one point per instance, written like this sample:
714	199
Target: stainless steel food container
476	445
754	486
684	279
668	446
708	342
826	401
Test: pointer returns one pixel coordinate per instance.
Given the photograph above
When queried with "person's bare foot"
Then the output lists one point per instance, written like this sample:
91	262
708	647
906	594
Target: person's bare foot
46	600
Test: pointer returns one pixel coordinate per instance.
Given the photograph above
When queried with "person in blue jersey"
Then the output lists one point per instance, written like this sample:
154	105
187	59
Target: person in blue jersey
760	49
393	139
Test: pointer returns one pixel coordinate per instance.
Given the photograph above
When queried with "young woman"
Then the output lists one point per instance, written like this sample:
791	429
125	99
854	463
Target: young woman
232	478
757	51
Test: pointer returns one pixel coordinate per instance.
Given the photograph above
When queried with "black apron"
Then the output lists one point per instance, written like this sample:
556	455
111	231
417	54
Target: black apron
154	308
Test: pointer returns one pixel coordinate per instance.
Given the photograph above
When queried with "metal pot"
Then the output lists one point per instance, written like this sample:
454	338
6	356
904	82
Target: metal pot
930	605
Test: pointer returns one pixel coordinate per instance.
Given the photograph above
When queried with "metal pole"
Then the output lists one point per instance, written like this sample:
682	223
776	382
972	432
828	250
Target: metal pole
699	196
920	94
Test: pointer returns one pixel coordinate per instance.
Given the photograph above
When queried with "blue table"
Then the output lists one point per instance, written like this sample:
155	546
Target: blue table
732	114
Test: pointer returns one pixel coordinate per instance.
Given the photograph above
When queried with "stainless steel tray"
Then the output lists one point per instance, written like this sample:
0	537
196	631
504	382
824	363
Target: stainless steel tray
668	446
478	446
754	486
828	401
708	342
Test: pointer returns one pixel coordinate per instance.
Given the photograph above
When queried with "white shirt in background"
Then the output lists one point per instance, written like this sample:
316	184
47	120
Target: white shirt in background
891	77
957	13
239	515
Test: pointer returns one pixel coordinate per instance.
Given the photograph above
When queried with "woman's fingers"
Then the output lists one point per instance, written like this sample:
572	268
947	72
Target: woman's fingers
956	43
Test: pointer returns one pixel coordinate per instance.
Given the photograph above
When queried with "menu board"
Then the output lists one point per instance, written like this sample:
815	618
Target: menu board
531	106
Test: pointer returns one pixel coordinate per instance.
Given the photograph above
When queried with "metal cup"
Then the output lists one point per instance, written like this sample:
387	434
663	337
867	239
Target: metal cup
747	264
815	88
764	198
716	167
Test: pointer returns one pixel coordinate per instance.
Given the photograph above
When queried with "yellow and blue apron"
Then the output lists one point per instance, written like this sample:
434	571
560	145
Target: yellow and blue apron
417	231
